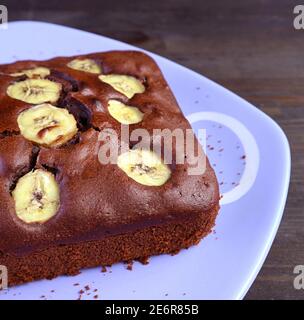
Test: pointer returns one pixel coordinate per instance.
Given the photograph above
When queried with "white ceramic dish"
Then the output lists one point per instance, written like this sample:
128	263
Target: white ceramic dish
224	265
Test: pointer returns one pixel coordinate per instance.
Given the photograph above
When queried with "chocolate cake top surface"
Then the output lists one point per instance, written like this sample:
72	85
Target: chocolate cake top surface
96	199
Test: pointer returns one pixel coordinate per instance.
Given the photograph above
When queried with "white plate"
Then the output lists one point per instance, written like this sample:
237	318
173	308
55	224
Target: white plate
223	265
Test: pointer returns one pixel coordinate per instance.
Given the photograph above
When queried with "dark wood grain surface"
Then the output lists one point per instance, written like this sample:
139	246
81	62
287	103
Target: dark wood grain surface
250	47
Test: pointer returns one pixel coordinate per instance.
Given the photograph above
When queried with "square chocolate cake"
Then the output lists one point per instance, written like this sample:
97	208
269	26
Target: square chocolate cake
63	206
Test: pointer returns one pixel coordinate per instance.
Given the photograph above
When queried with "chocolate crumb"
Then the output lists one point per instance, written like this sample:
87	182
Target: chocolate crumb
129	265
80	293
143	260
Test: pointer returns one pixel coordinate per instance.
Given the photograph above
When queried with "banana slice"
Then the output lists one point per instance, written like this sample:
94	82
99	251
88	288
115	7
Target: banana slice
47	125
123	113
39	72
86	65
35	91
126	85
144	166
36	196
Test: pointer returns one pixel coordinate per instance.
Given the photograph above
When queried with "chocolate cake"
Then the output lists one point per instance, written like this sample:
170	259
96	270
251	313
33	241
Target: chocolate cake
62	208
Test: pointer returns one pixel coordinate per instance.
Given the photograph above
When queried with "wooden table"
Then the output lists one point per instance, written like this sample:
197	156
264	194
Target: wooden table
250	47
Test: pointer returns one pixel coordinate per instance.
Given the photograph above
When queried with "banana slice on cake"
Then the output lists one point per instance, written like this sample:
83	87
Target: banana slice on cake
39	72
144	166
123	113
47	125
126	85
86	65
35	91
36	196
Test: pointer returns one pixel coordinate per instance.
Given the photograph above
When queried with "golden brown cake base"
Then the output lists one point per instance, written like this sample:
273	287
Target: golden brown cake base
69	259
